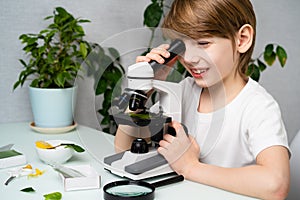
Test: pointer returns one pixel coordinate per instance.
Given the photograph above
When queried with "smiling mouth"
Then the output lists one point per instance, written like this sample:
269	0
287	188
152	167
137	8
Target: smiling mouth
198	71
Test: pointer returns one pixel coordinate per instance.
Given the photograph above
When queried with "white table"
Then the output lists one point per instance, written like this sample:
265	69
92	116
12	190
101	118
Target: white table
97	145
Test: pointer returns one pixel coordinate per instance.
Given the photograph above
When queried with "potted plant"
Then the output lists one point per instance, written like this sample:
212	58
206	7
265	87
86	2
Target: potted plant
54	55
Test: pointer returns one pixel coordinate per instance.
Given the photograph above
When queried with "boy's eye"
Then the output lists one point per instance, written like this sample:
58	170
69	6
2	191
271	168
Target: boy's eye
203	43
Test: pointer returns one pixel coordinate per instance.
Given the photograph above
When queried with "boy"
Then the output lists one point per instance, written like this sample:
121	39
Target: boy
237	140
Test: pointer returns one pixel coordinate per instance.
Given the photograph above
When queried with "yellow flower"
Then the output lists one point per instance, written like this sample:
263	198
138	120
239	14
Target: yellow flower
27	167
37	173
43	145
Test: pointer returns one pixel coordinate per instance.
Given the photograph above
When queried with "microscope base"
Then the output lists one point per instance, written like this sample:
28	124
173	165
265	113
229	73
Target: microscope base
137	166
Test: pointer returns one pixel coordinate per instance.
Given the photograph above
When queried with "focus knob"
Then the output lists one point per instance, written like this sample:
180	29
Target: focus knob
139	146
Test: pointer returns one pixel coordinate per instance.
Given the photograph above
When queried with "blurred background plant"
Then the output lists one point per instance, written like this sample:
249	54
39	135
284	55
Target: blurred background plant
54	54
104	65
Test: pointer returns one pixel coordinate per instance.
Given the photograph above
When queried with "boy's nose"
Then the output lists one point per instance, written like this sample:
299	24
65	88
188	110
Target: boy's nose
192	59
191	56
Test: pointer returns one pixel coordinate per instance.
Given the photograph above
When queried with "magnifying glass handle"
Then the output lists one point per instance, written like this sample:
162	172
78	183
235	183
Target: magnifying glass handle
168	181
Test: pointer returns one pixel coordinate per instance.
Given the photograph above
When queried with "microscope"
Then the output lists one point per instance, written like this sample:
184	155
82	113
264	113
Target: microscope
142	160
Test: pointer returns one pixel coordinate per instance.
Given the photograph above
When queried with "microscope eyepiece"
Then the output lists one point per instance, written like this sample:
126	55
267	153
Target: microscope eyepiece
176	47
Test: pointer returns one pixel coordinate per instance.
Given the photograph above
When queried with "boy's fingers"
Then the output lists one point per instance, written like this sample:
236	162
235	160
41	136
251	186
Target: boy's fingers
155	56
162	151
161	50
158	54
180	131
169	138
142	59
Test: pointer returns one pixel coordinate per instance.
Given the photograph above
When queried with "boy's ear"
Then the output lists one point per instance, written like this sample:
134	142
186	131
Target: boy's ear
244	38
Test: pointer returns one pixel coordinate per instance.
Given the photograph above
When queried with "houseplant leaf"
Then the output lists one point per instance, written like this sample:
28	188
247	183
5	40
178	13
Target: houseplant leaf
261	65
269	57
114	53
28	189
153	14
53	196
77	148
83	49
282	55
269	49
253	71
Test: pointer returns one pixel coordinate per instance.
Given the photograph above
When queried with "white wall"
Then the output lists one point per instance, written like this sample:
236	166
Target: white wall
277	22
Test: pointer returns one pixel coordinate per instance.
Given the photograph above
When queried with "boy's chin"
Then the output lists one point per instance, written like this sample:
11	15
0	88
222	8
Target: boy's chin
202	83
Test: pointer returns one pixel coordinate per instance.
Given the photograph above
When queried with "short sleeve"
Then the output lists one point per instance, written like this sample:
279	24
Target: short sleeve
265	125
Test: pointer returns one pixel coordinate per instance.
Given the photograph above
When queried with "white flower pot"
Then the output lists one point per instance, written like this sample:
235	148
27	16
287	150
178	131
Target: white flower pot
53	108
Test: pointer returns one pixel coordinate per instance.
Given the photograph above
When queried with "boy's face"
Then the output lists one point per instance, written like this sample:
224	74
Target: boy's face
210	60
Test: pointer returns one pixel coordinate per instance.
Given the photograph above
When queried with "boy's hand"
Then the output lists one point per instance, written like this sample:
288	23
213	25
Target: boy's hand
181	152
158	54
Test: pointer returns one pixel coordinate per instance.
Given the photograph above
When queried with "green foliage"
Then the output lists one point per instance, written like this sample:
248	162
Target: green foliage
53	196
55	53
153	14
28	189
76	148
152	17
256	66
106	65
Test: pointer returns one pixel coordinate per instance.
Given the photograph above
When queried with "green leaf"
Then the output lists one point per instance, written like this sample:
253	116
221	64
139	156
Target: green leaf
23	62
83	21
253	71
153	14
261	65
105	61
28	189
77	148
108	96
61	11
103	111
101	86
180	68
23	37
53	196
9	153
105	120
269	58
282	55
106	130
49	17
114	53
83	49
35	83
174	76
255	74
107	100
60	79
16	84
269	50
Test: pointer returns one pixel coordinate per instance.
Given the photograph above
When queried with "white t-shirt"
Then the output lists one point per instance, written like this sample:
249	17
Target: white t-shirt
234	135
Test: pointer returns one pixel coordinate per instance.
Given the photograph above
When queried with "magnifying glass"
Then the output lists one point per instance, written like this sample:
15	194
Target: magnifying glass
135	190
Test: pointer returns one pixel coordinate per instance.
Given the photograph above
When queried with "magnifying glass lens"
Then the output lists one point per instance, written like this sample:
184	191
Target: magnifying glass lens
129	190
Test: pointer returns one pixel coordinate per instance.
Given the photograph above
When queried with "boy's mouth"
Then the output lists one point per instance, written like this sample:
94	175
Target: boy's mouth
198	73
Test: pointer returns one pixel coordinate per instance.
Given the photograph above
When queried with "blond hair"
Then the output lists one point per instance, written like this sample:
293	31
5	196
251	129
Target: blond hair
207	18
